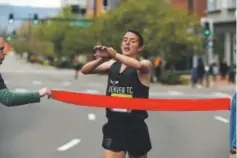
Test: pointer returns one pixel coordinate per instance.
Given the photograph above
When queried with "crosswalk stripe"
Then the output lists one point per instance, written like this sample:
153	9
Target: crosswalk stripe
37	82
92	91
166	94
66	83
220	94
176	93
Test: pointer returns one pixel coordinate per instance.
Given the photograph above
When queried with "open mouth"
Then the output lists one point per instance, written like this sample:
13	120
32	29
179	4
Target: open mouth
127	49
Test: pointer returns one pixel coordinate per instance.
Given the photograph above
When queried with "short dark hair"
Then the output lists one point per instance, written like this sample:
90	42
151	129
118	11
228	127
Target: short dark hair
140	38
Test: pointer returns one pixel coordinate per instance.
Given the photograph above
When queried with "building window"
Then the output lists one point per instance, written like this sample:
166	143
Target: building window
214	5
219	4
75	9
231	3
190	6
105	2
210	5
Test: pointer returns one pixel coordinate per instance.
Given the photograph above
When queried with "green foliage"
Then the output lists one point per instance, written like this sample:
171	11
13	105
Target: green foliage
170	78
164	30
21	46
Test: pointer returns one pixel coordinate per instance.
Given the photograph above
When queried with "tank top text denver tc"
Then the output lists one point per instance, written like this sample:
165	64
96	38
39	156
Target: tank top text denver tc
125	84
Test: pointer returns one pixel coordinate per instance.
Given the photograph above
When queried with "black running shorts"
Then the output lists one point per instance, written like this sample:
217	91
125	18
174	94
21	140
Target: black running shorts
128	136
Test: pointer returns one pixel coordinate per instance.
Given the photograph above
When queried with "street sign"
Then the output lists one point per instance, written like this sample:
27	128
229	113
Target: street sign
81	23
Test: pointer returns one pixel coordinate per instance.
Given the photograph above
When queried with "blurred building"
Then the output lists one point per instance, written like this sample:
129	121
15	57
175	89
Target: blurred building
78	6
197	8
111	4
194	7
94	8
98	7
222	14
81	3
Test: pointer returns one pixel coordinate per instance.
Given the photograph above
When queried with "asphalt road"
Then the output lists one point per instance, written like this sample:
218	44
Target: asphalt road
52	129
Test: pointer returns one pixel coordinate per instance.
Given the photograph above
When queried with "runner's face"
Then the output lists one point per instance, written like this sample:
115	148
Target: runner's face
130	44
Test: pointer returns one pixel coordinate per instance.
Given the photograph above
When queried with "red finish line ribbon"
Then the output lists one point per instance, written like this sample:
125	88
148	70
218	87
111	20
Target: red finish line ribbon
102	101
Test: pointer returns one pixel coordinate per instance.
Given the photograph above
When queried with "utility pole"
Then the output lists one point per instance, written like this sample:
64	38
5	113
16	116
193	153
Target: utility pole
29	27
95	8
208	32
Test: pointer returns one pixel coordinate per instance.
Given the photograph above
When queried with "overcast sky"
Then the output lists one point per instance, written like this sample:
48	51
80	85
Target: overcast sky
40	3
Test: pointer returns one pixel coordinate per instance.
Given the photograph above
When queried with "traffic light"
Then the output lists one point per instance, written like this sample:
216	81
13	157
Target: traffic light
11	18
75	9
206	30
14	32
35	19
9	37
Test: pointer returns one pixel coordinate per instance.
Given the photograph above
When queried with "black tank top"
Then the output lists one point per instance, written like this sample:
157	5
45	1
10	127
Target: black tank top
125	84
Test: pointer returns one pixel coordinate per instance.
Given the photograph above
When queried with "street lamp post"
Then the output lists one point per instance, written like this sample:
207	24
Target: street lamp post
95	8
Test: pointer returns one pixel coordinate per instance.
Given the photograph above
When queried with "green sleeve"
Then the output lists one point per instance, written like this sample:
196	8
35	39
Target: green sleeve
11	99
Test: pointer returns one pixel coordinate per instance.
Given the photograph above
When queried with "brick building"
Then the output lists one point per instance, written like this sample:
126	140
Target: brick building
222	14
195	7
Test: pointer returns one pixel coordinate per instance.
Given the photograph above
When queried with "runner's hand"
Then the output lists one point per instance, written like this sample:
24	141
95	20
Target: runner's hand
111	51
101	52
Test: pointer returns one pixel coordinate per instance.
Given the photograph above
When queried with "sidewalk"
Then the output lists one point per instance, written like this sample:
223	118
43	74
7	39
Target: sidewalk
218	85
13	63
224	85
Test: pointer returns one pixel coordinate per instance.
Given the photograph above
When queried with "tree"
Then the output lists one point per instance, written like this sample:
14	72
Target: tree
164	28
55	31
78	41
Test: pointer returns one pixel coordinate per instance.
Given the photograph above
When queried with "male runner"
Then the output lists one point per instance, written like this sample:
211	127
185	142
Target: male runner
126	130
11	99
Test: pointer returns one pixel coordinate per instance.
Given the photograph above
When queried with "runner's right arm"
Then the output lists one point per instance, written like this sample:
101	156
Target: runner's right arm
96	66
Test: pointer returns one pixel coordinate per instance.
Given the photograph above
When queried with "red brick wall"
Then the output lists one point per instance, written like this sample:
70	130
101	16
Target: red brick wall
199	6
179	3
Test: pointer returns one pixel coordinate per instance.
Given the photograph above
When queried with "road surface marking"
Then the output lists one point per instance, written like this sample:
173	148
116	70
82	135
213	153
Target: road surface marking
166	94
36	82
69	145
158	94
219	94
199	86
96	85
175	93
66	83
48	72
91	116
92	91
20	90
222	119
